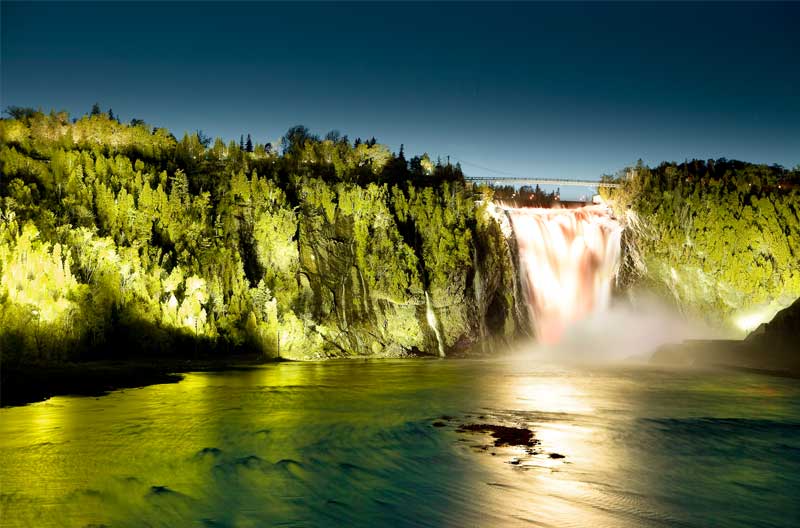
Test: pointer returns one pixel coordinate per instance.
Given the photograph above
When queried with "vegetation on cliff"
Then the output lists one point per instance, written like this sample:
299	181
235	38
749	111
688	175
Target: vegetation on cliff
721	238
120	240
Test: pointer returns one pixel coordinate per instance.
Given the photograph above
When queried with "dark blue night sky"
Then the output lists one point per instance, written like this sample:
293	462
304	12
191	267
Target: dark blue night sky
560	90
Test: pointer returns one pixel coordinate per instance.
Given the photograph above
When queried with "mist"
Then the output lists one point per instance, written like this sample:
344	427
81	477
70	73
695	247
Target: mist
629	330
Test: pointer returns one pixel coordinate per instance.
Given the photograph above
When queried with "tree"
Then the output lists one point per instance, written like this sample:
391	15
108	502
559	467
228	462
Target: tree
111	115
295	139
426	164
241	142
248	146
202	138
396	170
96	110
19	112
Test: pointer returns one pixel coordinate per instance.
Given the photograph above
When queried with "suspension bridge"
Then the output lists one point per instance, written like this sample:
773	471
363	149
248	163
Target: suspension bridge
539	181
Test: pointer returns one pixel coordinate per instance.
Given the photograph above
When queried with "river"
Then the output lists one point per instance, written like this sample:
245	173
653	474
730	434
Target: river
353	443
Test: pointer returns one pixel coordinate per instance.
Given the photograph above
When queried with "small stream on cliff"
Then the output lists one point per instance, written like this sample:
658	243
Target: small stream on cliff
377	443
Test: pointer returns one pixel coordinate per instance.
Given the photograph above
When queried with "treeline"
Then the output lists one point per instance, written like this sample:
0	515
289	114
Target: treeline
721	237
525	196
121	239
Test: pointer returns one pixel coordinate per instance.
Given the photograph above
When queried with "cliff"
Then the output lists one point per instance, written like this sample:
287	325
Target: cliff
120	241
717	238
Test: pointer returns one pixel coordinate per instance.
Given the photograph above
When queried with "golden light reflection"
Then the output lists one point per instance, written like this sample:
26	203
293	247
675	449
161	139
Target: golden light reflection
551	490
46	424
551	396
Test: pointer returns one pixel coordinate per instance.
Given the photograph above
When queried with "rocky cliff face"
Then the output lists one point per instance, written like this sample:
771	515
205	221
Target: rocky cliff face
390	293
716	238
781	334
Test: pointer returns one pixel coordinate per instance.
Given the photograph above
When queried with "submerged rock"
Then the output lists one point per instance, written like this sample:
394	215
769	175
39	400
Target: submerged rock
503	435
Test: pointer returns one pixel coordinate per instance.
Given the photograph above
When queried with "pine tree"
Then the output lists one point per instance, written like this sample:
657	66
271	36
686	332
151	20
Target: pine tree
249	145
111	114
241	142
96	110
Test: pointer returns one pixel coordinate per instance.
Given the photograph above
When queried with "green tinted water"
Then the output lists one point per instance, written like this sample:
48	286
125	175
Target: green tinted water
352	444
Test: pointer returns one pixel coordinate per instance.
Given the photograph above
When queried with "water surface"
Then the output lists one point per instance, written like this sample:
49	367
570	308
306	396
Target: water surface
351	443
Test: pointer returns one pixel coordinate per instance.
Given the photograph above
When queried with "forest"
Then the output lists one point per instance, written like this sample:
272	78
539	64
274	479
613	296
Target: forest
720	238
120	240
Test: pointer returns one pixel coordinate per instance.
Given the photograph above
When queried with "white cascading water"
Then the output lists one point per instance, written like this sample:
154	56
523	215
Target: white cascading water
433	322
568	259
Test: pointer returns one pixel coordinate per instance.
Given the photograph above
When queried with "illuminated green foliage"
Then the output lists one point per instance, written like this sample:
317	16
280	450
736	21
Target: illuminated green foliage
719	236
120	239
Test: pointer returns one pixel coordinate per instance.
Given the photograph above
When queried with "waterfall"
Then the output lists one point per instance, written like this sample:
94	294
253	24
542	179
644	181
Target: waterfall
568	259
433	322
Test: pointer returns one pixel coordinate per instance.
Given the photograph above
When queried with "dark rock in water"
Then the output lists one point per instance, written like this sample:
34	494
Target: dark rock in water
160	490
504	436
439	424
446	417
248	461
556	456
213	451
211	523
287	462
773	347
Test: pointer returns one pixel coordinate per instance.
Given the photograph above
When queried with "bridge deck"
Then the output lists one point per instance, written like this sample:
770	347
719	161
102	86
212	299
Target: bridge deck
540	181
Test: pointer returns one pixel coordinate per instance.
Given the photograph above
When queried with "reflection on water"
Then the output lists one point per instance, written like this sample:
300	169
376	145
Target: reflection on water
352	444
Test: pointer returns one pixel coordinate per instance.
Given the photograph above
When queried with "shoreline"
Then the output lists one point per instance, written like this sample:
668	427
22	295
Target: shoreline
31	383
22	384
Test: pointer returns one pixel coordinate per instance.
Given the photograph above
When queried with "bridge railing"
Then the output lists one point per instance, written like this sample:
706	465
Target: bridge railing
541	181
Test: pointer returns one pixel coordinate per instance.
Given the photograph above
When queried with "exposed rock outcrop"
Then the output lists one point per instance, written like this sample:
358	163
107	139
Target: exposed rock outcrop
774	346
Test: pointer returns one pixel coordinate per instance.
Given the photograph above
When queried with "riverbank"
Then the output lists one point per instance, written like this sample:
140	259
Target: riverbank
29	383
771	348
